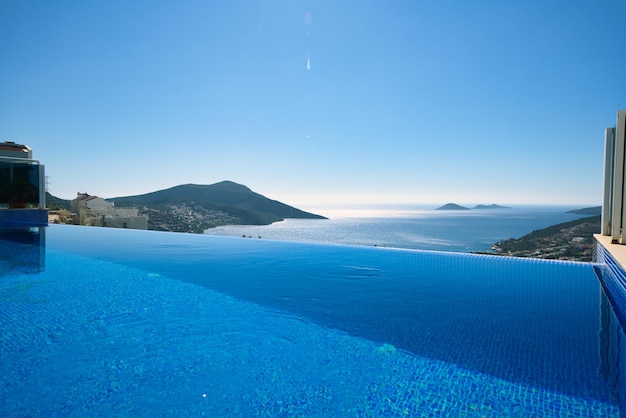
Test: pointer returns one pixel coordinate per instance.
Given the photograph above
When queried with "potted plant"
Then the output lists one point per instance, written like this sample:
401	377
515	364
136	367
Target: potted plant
18	194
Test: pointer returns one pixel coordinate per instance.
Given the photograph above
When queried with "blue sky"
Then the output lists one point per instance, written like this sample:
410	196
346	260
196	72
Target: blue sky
317	102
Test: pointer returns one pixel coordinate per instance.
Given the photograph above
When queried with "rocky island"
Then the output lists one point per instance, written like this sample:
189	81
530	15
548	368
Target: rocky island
492	206
452	206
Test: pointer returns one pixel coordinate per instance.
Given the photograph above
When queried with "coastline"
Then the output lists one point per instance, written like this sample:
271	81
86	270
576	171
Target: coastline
571	241
418	229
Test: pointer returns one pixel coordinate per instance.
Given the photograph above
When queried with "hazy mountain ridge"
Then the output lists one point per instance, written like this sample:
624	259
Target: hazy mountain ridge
591	211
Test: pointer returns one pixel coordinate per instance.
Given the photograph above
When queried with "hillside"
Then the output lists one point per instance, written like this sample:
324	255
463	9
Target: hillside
566	241
56	203
592	211
195	208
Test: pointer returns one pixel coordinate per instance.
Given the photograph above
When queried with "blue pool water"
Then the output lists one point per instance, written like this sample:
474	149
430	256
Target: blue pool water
116	322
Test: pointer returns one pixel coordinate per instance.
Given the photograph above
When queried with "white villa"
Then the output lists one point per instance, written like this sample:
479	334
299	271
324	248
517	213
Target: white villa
95	211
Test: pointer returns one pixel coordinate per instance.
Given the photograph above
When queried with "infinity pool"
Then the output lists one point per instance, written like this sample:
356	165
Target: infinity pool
107	322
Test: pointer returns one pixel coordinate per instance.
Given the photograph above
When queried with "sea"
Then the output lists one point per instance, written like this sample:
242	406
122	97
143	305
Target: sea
472	230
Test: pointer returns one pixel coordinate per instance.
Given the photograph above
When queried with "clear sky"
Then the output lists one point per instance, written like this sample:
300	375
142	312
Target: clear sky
321	102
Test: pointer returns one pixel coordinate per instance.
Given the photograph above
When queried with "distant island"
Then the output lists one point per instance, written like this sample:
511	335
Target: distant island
195	208
492	206
454	206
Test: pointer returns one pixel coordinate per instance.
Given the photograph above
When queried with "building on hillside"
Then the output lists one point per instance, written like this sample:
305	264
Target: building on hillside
61	216
95	211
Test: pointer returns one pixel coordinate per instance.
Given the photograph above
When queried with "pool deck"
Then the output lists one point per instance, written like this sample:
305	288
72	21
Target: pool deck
617	251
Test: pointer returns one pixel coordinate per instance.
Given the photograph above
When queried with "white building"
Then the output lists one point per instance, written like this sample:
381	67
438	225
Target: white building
95	211
12	150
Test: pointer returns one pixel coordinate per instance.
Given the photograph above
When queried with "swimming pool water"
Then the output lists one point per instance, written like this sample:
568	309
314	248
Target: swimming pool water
117	322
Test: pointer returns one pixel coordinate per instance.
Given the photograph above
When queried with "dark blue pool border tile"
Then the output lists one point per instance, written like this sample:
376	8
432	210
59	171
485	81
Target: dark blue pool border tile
23	217
613	279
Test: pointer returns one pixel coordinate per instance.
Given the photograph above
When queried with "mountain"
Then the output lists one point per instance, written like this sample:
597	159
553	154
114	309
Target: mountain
223	203
56	203
452	206
492	206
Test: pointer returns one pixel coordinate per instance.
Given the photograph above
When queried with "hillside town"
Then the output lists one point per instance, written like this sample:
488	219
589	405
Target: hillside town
95	211
186	218
569	241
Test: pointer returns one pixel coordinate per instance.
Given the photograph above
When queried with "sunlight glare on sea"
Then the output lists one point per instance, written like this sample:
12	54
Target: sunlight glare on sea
408	227
340	213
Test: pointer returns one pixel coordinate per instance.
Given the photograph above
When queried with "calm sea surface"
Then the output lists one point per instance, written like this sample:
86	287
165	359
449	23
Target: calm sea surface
423	229
460	231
